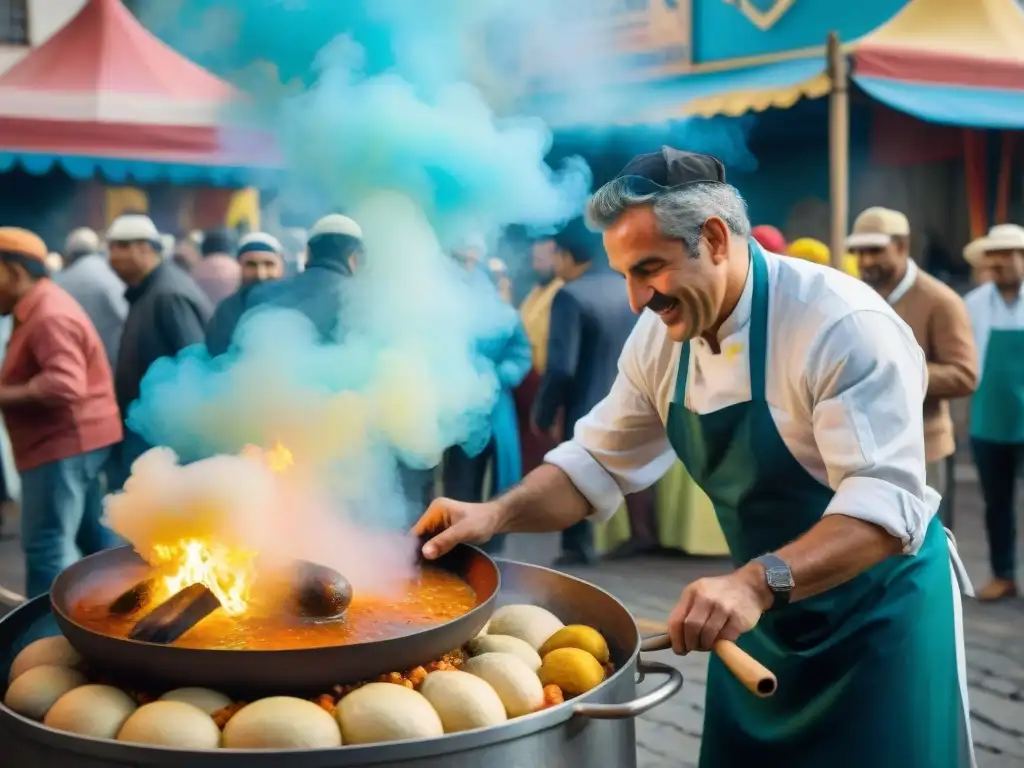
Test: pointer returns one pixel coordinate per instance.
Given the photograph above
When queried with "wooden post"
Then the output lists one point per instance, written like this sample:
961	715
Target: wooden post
838	150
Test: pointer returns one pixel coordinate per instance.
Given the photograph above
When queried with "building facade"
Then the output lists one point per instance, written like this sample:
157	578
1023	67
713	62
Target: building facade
25	24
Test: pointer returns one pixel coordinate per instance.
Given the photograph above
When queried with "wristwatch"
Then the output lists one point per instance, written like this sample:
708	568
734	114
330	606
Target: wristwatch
779	578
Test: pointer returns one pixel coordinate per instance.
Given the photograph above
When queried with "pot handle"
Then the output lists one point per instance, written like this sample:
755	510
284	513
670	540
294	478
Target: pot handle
637	707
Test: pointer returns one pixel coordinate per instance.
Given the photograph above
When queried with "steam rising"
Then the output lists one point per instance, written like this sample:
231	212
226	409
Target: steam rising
239	504
375	111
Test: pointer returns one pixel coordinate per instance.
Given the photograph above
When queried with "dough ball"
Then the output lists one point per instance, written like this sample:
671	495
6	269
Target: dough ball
516	684
55	651
463	701
381	712
91	710
171	724
529	623
202	698
281	722
34	692
505	644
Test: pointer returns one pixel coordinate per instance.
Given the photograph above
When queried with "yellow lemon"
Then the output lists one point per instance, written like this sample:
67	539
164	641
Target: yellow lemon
573	670
578	636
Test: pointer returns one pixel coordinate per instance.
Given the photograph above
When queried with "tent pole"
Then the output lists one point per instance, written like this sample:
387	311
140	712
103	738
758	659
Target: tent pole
838	150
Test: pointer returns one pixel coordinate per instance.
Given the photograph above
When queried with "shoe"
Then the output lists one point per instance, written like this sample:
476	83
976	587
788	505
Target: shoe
997	589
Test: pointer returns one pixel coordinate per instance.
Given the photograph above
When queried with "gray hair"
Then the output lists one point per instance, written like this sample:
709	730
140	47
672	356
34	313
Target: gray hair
680	212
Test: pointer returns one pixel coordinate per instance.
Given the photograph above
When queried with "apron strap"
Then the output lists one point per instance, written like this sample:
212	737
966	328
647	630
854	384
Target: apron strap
758	352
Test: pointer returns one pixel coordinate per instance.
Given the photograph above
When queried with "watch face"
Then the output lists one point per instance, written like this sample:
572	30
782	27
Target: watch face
780	579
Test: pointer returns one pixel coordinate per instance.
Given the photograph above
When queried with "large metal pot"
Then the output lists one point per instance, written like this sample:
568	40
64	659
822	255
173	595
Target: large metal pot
595	730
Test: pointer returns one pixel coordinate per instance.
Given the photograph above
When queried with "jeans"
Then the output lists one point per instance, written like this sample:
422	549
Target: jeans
61	505
998	466
122	456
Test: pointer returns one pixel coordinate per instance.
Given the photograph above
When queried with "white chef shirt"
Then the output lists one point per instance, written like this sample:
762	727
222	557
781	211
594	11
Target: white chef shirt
845	383
989	311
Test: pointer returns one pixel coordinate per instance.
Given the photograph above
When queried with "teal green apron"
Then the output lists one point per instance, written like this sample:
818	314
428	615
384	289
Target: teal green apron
997	408
867	671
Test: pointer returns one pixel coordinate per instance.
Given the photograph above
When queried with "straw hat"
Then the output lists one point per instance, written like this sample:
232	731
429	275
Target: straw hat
876	227
1002	237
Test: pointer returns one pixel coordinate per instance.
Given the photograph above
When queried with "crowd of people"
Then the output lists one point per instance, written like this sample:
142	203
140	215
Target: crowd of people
84	330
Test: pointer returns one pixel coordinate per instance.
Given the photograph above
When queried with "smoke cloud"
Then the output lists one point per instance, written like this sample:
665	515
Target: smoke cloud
384	110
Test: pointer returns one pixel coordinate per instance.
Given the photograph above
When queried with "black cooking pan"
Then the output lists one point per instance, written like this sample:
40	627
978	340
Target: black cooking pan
249	673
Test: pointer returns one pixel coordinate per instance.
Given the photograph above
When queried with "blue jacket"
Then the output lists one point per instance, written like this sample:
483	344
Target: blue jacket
508	353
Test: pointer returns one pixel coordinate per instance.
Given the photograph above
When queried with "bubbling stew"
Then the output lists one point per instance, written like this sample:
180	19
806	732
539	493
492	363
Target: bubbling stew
433	597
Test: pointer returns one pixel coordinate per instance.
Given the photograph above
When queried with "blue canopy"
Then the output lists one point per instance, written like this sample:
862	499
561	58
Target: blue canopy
967	106
121	171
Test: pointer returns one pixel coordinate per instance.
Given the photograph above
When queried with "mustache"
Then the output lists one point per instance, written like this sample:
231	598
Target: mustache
660	302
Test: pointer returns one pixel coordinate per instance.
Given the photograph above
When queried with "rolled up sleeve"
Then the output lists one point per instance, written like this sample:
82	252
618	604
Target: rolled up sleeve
620	447
867	382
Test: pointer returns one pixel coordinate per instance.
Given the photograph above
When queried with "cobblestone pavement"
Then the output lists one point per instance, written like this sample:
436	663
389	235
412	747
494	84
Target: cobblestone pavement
669	736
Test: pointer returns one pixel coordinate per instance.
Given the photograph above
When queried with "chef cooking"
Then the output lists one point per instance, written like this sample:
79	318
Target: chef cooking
793	394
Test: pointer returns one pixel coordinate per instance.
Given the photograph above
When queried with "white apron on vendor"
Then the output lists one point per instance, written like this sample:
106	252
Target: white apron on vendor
997	408
798	418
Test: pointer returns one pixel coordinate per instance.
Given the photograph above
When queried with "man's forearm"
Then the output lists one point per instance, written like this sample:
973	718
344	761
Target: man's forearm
546	500
948	381
835	550
21	394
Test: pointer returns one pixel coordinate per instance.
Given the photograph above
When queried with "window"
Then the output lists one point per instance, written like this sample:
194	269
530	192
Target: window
13	22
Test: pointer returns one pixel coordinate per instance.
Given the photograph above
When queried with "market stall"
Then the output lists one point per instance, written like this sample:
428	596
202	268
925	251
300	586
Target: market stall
103	117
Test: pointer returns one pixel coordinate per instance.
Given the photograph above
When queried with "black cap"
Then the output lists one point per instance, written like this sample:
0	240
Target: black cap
672	167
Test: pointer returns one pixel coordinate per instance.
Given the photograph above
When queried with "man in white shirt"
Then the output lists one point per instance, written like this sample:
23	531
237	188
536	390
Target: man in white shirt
793	394
997	410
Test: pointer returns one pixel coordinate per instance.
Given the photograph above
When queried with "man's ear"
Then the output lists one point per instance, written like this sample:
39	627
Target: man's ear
716	233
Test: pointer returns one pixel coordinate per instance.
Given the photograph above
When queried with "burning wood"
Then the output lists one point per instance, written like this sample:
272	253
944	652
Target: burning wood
135	598
176	615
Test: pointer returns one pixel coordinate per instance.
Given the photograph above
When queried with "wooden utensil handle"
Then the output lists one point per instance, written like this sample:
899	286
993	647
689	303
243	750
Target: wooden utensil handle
756	677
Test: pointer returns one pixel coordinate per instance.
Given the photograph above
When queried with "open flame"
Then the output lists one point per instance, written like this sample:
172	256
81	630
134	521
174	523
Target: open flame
227	574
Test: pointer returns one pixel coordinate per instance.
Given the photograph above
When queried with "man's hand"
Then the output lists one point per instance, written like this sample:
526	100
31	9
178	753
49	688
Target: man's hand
718	608
456	522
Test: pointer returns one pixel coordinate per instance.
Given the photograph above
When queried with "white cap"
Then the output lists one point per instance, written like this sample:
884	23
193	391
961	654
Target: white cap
259	241
131	227
82	240
336	224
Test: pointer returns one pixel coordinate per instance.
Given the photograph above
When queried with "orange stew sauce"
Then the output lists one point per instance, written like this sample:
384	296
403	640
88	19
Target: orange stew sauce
432	598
